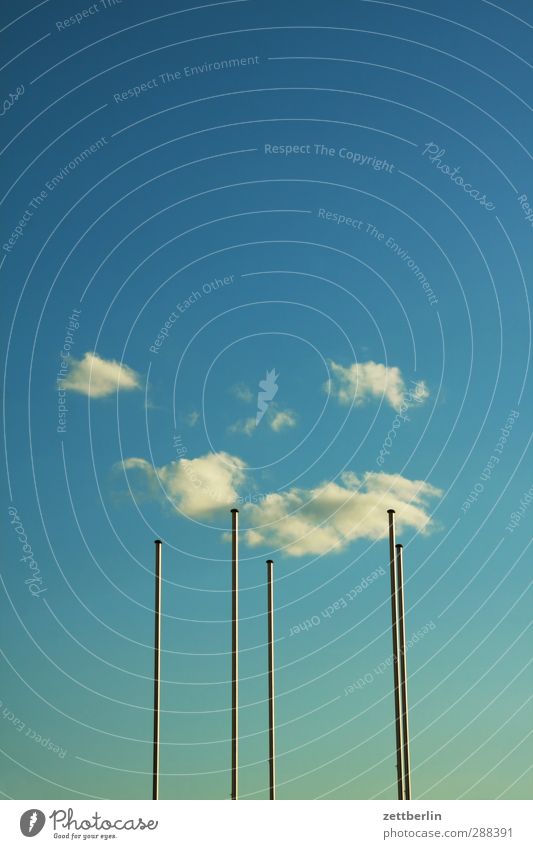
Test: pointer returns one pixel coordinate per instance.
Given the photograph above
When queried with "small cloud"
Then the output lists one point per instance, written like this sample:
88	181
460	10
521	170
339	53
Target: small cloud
96	377
244	426
359	382
198	487
282	419
277	420
242	392
192	418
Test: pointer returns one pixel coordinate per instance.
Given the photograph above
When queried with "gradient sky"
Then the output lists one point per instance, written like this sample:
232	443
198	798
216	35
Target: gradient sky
180	192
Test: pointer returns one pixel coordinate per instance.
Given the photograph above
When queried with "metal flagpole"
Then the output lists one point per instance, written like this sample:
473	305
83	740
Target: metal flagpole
157	668
397	692
403	674
234	654
271	715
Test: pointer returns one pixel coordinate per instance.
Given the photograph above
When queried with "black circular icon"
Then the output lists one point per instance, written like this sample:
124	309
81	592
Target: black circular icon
32	822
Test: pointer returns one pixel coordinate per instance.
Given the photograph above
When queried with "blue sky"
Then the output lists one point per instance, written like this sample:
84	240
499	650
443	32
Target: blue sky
344	205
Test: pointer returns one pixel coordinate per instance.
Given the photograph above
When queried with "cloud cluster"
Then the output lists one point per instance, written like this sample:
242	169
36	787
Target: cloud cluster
244	426
96	377
330	516
276	419
359	382
299	521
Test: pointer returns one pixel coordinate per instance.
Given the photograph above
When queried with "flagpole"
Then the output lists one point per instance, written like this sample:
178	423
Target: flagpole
271	715
397	694
234	654
403	674
157	668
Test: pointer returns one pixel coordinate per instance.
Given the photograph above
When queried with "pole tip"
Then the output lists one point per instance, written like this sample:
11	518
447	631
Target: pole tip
234	510
270	562
390	510
399	545
158	542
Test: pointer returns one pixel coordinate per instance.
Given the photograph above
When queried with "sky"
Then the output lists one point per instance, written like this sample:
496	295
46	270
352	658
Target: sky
276	257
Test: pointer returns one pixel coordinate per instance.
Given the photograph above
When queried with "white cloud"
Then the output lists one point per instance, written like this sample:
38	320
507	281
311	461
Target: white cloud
96	377
359	382
332	515
282	419
242	392
197	487
192	418
244	426
277	420
298	522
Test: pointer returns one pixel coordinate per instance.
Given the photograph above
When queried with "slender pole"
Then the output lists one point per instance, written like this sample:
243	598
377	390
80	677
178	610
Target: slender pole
397	693
403	674
271	716
157	667
234	654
